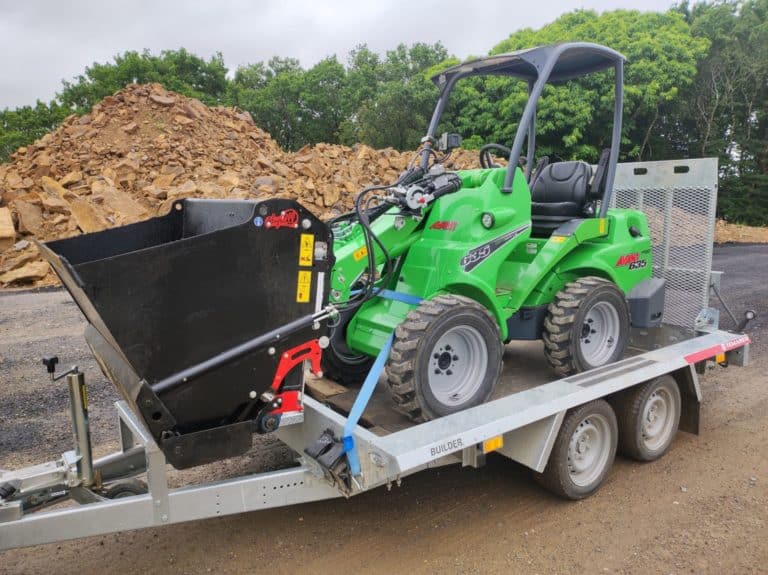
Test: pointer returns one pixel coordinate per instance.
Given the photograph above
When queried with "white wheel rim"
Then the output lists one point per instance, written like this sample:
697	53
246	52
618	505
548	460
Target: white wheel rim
457	365
589	450
658	421
600	333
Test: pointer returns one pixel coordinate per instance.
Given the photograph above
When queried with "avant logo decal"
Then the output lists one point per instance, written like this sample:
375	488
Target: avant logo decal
478	255
285	219
627	259
632	261
444	225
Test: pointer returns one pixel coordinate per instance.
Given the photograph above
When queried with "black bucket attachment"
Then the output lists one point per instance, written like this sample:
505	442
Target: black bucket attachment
191	312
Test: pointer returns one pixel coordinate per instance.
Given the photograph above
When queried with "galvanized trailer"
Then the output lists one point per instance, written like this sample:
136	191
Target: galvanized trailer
527	421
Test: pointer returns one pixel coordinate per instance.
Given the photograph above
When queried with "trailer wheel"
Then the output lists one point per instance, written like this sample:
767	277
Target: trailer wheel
126	488
649	415
446	357
340	363
583	452
587	325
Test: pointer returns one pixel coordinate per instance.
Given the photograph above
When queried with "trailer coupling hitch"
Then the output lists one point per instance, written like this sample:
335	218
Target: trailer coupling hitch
329	452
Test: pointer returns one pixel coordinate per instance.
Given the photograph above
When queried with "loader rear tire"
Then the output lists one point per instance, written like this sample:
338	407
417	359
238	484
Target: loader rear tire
446	357
587	326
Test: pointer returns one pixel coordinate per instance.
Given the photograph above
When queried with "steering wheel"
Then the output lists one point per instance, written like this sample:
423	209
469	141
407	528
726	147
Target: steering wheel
486	160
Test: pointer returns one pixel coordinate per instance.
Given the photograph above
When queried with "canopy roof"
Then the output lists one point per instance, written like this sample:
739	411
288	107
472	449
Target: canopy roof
572	59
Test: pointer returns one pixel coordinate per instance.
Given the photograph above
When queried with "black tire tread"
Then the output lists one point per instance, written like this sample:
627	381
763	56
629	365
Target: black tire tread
552	477
629	409
126	488
559	323
336	369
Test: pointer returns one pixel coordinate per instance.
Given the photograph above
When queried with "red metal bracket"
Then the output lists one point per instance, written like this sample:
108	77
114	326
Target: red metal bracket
286	401
308	351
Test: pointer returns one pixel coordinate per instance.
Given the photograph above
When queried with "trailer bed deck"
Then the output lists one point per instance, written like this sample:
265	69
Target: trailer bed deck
524	369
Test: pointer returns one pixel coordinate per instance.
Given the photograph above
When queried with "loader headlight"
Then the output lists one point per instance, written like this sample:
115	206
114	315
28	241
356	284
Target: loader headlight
487	220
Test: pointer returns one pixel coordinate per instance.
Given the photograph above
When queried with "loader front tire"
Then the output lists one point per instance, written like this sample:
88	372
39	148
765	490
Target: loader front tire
446	357
587	326
340	363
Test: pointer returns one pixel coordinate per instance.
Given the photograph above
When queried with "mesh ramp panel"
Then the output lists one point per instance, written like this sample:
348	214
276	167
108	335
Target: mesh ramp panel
679	199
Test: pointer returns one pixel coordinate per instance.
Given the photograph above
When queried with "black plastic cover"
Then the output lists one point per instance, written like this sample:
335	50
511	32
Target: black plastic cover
646	303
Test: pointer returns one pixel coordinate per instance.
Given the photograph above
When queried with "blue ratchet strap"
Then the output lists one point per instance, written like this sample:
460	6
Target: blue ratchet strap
366	391
393	295
361	401
399	296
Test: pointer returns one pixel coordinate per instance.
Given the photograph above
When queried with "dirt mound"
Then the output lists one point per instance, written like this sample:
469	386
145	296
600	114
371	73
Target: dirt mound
144	147
726	232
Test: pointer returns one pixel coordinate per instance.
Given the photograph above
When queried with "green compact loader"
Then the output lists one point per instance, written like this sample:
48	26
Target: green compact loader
203	318
468	261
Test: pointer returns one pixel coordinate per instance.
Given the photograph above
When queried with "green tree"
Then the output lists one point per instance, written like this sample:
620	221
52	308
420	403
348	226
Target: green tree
574	120
26	124
296	106
399	114
393	99
323	105
727	111
177	70
276	106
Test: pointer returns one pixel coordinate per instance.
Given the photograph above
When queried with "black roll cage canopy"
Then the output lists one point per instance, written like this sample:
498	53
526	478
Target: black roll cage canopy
538	66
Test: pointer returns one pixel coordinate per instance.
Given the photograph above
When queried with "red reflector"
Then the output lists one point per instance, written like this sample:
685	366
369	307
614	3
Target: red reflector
717	349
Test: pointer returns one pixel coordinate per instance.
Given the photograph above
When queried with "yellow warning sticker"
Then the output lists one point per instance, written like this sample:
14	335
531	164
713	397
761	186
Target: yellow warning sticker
558	239
602	225
303	286
306	249
360	254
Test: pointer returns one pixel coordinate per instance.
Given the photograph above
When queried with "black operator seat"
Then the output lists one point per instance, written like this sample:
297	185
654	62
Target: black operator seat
560	192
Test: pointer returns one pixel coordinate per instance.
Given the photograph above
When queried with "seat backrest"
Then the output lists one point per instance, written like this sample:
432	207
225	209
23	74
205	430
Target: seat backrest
563	183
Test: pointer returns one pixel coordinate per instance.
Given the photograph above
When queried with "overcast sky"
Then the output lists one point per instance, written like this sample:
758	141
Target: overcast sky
43	42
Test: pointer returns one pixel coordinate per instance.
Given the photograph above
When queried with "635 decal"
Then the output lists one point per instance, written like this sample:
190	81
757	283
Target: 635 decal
478	255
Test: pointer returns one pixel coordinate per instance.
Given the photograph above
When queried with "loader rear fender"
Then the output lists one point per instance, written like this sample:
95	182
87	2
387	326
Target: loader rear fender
546	289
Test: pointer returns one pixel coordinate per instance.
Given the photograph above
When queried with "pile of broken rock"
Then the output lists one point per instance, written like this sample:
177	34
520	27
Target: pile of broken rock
144	147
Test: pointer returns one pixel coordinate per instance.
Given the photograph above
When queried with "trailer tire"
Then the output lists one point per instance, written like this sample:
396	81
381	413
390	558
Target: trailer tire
583	453
126	488
446	357
588	303
649	415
